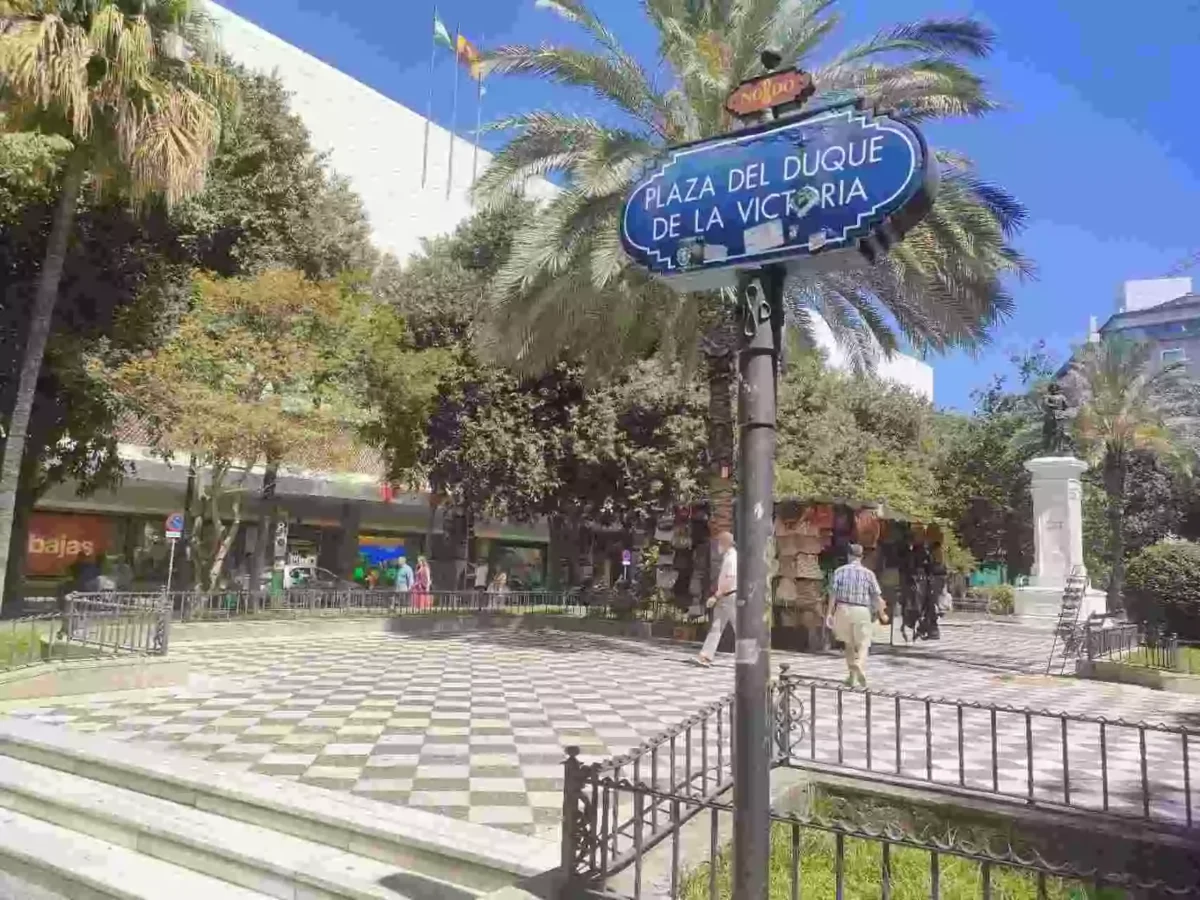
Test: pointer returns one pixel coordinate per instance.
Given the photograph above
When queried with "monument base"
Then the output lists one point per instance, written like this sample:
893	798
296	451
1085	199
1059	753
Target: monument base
1041	605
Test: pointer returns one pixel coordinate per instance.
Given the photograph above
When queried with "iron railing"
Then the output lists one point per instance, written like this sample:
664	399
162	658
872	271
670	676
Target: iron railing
657	821
814	856
1141	770
604	809
1136	645
226	604
85	626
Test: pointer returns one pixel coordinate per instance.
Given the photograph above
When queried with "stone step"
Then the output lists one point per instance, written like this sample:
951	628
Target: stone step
462	853
84	868
274	864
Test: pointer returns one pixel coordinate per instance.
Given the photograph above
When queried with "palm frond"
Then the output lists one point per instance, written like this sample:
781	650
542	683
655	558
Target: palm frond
949	37
608	78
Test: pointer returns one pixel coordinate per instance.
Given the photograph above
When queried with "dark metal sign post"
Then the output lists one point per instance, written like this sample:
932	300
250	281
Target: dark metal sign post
761	299
832	186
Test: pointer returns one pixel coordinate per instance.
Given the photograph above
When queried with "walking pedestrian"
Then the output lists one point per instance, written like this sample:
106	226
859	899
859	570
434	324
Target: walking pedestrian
855	601
422	585
723	602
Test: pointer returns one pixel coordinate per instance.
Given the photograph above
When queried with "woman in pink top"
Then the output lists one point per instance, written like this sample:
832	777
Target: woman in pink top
422	585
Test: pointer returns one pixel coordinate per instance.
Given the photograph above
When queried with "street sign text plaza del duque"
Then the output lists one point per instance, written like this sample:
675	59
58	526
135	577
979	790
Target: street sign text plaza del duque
792	189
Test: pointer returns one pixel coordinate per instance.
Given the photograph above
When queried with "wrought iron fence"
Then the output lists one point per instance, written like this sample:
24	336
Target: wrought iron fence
608	820
658	821
85	626
1136	645
813	856
226	604
1141	770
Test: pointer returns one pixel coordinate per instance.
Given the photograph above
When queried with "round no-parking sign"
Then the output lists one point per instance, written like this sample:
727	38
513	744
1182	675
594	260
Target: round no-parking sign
174	526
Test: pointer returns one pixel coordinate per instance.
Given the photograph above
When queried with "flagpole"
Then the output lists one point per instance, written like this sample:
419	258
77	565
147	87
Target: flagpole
478	121
453	118
429	105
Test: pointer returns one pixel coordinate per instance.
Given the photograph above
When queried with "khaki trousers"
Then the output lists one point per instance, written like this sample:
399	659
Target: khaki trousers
852	626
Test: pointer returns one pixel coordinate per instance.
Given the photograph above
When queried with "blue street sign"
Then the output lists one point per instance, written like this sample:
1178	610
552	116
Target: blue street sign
175	523
792	188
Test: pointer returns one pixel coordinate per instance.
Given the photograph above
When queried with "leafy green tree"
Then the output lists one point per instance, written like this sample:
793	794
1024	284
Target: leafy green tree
129	86
568	288
126	276
1127	403
270	199
853	438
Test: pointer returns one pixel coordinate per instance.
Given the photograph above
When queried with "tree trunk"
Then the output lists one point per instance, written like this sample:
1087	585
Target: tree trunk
720	444
186	578
41	318
22	515
720	373
267	515
462	530
434	502
1116	465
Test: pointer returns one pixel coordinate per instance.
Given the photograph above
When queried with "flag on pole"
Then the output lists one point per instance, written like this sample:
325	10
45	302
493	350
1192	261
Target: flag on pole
478	70
459	41
470	57
441	37
440	34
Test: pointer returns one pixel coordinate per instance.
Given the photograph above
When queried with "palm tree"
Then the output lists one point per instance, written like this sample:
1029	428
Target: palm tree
568	287
1128	403
132	85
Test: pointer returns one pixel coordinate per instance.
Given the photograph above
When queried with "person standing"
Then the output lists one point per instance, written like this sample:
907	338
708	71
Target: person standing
723	602
422	585
854	603
404	577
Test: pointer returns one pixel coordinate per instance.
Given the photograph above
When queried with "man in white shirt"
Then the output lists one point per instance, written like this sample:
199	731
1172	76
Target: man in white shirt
723	603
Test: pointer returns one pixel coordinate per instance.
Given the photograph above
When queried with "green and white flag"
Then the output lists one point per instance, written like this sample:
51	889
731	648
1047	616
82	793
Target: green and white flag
441	35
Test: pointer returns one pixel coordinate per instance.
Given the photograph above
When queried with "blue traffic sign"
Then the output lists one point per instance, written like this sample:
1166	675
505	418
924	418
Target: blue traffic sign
175	522
792	188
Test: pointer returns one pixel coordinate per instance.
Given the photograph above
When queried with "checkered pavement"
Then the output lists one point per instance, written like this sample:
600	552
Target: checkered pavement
475	725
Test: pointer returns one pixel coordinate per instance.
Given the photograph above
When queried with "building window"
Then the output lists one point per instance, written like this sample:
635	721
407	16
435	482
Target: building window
1174	355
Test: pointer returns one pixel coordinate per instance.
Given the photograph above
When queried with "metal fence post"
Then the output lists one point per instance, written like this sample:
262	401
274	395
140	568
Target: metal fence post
572	788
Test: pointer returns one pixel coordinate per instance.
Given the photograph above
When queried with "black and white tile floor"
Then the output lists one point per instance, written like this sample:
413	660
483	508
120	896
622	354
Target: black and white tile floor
474	725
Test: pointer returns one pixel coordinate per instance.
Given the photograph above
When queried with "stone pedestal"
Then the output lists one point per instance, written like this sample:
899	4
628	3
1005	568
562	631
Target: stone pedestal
1057	538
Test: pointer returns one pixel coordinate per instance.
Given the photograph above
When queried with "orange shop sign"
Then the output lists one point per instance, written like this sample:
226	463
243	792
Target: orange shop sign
57	540
767	91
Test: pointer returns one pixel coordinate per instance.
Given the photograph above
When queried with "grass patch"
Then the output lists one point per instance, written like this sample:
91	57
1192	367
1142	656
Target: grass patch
21	642
1189	660
911	878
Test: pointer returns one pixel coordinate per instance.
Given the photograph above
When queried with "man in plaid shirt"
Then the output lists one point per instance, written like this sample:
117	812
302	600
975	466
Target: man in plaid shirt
854	602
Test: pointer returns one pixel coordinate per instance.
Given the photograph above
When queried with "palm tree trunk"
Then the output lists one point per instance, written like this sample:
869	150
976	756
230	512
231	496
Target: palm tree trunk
720	373
41	318
1116	465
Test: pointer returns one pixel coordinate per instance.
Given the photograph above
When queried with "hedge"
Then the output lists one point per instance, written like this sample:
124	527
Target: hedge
1162	588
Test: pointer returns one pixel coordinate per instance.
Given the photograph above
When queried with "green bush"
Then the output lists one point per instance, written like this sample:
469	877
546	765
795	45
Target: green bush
1162	588
1001	599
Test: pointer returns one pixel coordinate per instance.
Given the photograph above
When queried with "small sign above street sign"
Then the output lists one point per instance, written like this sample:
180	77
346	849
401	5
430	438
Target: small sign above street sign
792	188
174	526
768	91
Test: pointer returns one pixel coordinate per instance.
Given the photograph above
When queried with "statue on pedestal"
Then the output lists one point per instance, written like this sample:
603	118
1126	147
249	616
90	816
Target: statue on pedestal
1054	422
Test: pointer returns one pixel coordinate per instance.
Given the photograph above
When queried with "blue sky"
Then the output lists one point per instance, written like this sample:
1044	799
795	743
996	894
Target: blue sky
1097	138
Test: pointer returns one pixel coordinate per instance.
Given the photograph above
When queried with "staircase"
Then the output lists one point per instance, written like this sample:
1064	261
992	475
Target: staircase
82	817
1067	630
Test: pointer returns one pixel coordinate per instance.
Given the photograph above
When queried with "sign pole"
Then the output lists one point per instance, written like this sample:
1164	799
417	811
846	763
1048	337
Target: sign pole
171	565
761	313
